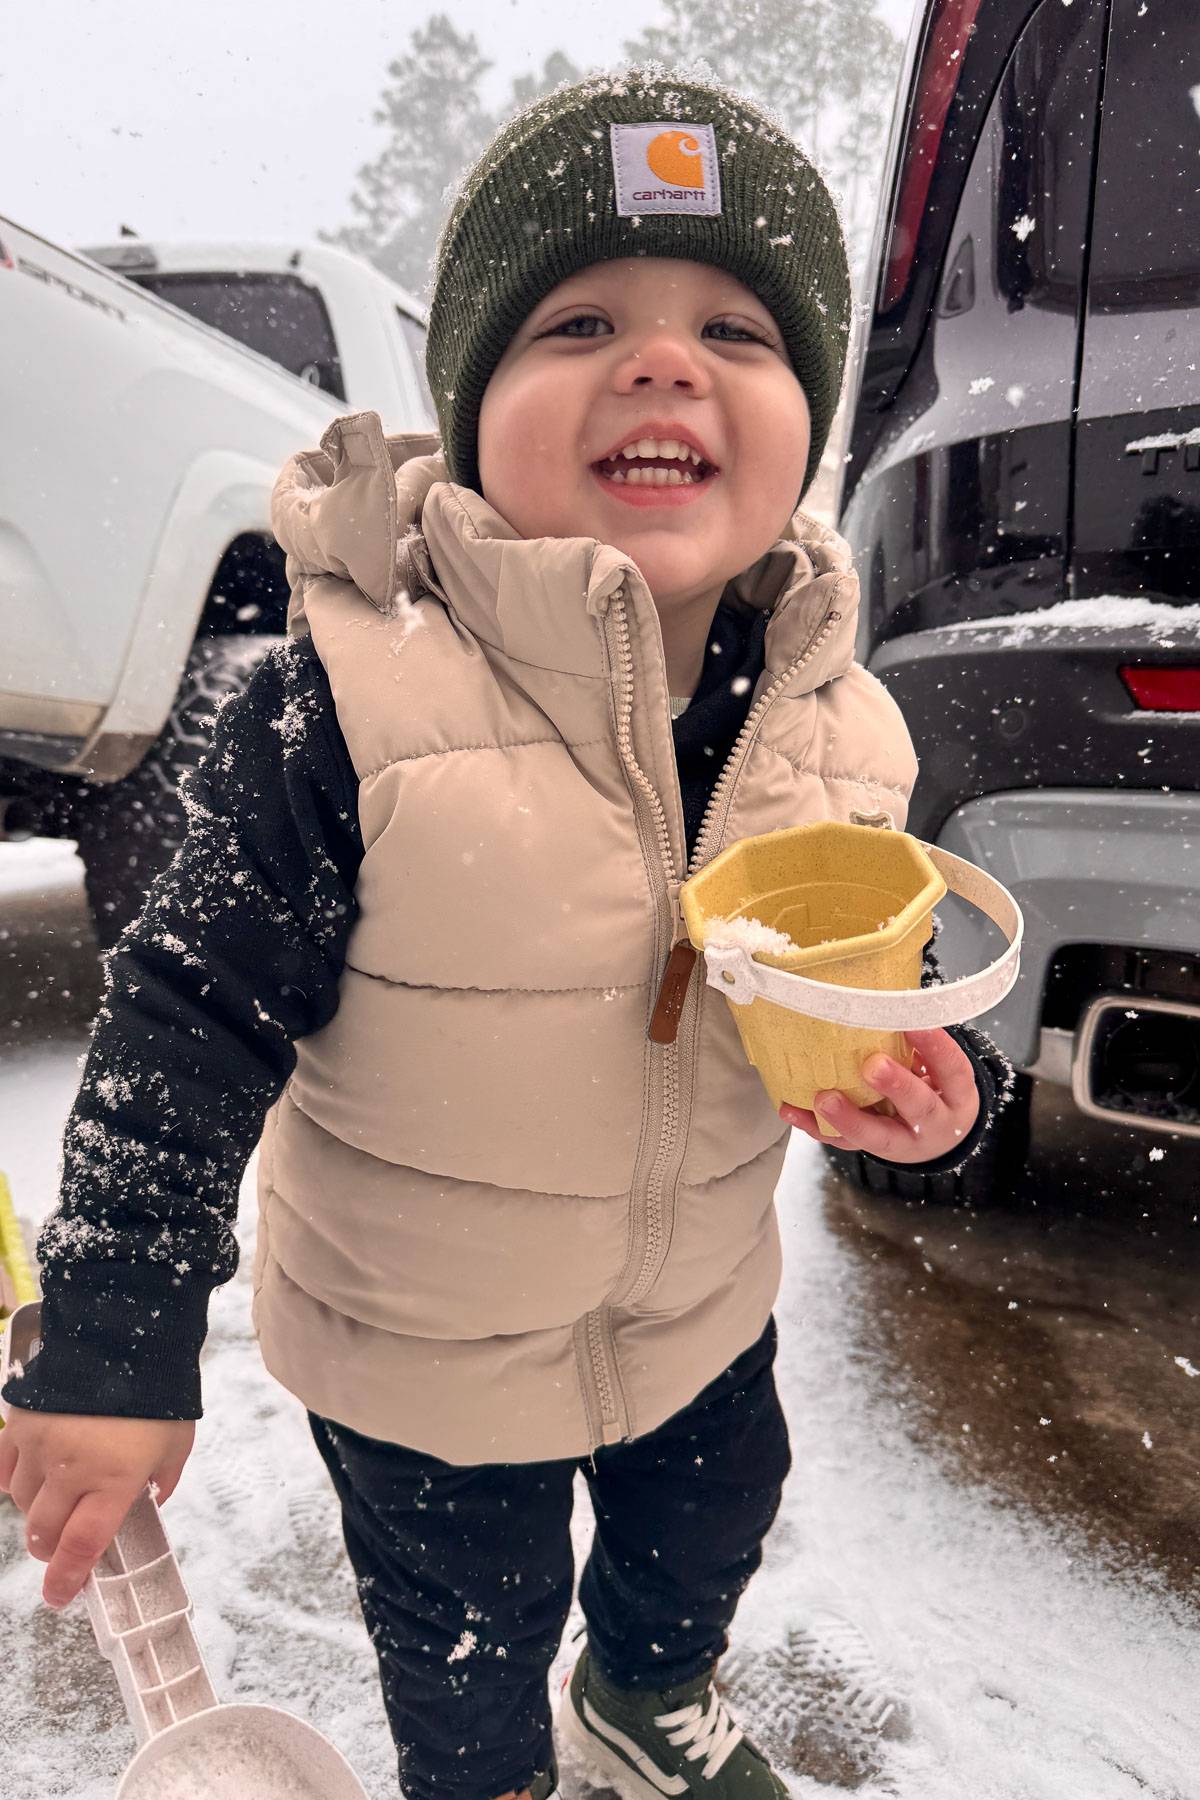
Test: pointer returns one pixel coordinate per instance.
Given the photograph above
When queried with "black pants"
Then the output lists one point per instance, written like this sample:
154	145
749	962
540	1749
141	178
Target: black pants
464	1574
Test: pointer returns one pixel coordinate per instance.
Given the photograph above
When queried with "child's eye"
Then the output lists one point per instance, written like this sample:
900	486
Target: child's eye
578	319
732	325
721	325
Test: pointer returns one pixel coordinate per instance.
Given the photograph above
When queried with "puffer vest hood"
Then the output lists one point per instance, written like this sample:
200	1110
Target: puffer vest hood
497	1222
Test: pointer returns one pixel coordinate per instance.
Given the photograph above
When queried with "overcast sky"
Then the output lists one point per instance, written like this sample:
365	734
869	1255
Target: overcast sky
236	118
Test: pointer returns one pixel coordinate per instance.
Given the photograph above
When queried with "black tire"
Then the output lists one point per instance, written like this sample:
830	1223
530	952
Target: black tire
129	830
997	1171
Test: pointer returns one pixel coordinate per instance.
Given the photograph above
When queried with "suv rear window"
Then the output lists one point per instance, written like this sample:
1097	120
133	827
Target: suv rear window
280	316
1146	237
1144	278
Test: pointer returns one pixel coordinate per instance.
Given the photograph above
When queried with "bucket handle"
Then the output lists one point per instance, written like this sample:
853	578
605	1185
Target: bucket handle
734	973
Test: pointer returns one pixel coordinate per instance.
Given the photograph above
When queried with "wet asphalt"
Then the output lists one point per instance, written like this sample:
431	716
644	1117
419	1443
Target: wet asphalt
1046	1342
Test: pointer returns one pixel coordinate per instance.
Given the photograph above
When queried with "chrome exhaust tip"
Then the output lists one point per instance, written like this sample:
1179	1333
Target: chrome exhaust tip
1137	1062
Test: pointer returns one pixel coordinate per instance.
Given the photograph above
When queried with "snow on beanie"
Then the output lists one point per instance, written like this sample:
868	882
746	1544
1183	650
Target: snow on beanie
637	162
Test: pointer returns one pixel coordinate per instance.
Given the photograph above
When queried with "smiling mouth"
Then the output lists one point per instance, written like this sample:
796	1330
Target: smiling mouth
645	472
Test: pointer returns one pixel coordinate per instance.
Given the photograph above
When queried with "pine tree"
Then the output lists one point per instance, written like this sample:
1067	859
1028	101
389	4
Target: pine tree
858	152
557	68
437	126
825	68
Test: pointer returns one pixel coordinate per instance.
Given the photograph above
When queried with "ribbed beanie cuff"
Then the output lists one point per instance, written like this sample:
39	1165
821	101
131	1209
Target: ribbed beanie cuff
693	170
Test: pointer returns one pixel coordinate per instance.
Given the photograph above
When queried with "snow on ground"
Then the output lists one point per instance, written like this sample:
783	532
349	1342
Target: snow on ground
1032	1672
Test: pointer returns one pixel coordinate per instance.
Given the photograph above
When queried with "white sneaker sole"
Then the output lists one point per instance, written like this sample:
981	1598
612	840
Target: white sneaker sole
599	1761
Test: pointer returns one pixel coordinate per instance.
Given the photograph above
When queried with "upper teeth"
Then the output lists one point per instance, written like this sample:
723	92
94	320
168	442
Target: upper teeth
661	447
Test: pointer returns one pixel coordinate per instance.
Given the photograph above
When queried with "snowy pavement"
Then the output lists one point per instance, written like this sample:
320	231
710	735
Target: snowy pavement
969	1403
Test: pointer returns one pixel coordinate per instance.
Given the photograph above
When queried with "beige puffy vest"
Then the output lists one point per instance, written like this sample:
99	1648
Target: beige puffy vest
497	1222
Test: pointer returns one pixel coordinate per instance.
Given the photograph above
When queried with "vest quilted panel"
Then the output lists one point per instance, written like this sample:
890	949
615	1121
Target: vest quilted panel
456	1276
522	1090
716	1227
465	830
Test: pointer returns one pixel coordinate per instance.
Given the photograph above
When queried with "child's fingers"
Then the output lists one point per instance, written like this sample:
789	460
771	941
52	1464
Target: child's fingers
860	1130
806	1121
45	1517
8	1461
916	1102
166	1479
85	1536
948	1065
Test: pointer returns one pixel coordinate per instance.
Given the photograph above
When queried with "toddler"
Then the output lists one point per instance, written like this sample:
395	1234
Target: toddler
515	1183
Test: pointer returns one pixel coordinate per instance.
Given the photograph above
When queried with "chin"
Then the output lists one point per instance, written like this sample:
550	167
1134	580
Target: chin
673	574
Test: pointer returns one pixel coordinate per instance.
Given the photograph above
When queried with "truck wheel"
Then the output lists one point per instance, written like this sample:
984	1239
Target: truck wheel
129	830
995	1175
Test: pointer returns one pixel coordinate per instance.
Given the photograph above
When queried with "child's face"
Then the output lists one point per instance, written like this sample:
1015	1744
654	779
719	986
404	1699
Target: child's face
661	343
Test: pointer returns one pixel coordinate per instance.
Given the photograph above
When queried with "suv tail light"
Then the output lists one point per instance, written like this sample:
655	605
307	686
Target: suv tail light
1170	689
934	87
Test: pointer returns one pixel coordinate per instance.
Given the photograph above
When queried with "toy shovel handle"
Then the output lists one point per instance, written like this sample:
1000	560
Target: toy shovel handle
141	1614
139	1607
734	972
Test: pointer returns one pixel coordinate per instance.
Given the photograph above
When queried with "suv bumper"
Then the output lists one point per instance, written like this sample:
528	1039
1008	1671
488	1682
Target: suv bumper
1086	868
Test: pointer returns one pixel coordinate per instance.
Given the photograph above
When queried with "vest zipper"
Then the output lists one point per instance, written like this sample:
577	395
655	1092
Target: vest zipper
652	1245
741	744
604	1387
669	1007
677	975
671	1061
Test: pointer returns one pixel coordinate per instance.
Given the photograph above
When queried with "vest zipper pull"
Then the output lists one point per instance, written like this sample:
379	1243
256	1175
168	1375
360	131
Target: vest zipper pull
664	1020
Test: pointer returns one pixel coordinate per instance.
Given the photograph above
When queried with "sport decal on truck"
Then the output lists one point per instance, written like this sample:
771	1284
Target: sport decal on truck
23	264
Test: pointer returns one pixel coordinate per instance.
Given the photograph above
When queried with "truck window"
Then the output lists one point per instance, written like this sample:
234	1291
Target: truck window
277	315
413	333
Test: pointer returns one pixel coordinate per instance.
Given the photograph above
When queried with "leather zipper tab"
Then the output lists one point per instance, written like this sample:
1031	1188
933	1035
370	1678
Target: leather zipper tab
668	1008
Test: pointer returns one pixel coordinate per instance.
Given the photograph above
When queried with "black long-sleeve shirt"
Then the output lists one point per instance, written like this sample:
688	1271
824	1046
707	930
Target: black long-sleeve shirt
238	952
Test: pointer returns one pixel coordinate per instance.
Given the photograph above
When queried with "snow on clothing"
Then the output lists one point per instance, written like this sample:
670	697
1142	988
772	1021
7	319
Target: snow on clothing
464	1650
240	952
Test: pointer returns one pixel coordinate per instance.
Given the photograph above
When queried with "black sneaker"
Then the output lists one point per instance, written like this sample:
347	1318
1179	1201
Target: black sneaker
647	1744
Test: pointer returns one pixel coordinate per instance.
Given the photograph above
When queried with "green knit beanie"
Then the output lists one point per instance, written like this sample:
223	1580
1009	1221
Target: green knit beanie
637	162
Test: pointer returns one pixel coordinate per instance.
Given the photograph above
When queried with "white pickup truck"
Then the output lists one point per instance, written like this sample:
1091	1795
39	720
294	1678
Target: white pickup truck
148	406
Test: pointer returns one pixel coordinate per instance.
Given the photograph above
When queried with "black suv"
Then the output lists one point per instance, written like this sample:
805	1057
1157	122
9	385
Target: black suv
1022	494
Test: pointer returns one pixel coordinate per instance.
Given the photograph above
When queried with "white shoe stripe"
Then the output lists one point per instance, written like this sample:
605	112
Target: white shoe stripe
666	1784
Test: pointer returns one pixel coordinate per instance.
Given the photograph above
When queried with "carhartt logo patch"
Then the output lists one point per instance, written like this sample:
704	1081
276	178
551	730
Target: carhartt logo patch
665	168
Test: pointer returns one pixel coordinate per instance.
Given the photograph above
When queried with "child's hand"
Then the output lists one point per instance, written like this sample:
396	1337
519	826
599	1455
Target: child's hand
936	1103
75	1477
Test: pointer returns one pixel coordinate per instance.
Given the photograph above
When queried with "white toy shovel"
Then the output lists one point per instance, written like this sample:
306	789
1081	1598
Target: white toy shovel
191	1747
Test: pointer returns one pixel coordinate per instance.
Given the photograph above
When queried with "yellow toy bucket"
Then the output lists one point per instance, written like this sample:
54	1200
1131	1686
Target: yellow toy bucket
856	903
17	1285
792	924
